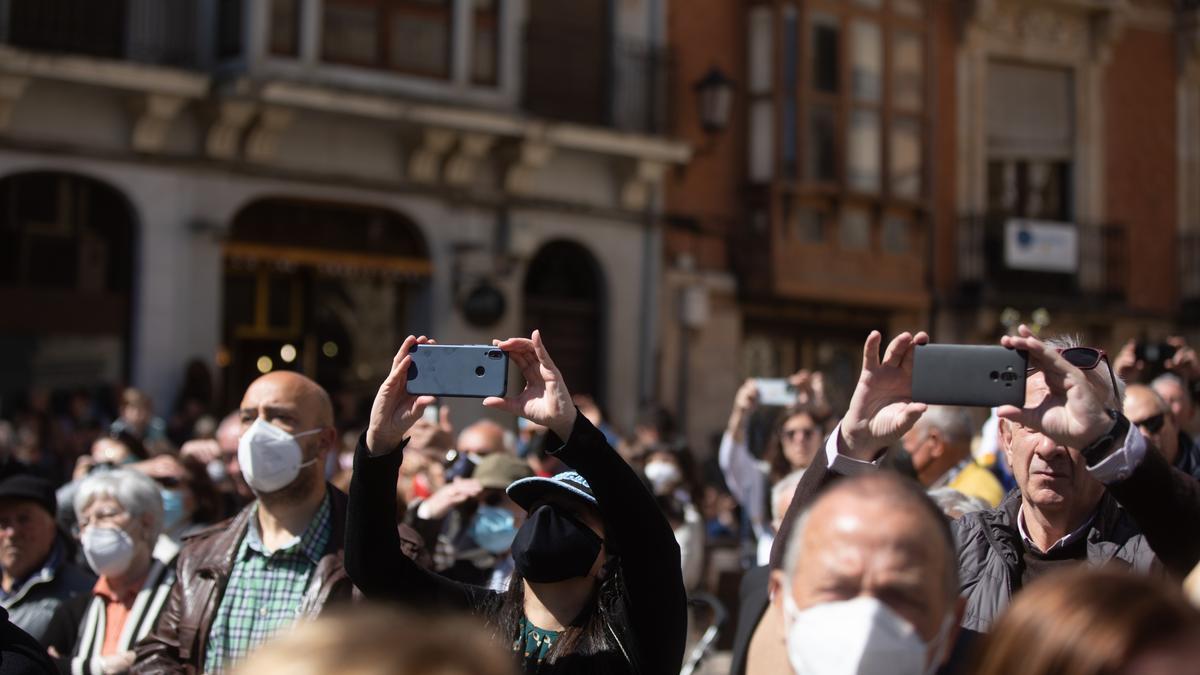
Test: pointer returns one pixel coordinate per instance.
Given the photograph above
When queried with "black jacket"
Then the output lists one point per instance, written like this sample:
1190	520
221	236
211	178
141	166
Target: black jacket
754	599
643	603
20	654
1188	459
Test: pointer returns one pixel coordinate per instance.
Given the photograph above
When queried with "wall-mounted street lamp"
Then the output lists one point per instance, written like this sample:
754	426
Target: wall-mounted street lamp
714	96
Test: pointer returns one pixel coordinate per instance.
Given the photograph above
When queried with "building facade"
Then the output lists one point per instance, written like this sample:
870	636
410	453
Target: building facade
928	164
300	183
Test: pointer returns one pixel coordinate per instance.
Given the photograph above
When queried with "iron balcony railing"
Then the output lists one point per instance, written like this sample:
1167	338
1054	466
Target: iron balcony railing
594	79
160	32
989	265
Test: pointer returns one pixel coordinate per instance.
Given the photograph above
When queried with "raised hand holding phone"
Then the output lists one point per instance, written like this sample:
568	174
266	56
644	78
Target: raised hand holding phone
881	409
545	399
395	410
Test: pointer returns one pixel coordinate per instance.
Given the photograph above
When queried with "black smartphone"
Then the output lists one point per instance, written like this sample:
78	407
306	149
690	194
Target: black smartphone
466	371
972	375
1154	354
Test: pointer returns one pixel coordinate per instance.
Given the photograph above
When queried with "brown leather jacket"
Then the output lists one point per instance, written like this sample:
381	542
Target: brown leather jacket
179	640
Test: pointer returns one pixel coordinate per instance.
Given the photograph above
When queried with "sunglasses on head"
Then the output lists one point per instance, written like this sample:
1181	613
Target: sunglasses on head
1084	358
1153	424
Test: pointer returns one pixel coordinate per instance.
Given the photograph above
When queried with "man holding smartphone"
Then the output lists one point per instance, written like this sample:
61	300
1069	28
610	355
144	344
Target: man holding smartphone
1090	491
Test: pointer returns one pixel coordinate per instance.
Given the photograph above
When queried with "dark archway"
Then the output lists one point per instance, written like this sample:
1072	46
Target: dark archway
564	297
67	252
300	277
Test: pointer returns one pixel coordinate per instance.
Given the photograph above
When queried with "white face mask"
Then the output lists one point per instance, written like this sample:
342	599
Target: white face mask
861	636
662	475
109	550
270	457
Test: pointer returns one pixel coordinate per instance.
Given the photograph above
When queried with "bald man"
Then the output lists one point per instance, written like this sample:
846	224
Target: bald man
477	441
280	559
1152	415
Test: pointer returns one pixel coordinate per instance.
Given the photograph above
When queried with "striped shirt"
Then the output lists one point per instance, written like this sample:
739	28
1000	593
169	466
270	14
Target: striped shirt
265	589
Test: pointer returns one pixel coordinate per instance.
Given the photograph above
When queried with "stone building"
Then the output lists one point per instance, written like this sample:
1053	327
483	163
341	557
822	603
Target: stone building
905	164
300	183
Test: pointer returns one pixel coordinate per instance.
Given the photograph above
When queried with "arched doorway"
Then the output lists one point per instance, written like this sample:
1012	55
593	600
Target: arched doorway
320	288
66	276
564	297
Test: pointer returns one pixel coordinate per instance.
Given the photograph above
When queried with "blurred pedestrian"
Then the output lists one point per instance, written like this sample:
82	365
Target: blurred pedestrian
597	586
219	455
379	641
940	447
1152	416
190	502
1095	622
120	516
37	574
137	418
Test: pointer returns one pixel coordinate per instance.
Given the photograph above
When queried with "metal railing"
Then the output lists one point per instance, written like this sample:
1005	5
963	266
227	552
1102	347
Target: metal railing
1100	273
594	79
160	32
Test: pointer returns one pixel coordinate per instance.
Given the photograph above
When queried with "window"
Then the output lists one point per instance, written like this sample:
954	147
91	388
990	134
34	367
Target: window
863	155
414	37
908	82
905	157
826	62
822	144
761	79
285	28
895	237
867	62
788	119
855	232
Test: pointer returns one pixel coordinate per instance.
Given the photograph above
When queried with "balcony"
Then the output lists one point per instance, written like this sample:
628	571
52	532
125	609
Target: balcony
158	32
1046	264
590	78
854	259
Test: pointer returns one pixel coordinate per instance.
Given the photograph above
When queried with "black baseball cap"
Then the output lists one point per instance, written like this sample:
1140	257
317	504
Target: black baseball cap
31	488
528	490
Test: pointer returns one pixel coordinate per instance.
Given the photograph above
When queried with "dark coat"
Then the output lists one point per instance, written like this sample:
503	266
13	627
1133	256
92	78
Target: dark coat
20	654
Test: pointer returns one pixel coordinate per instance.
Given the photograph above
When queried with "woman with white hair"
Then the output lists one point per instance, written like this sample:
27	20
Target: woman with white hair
120	516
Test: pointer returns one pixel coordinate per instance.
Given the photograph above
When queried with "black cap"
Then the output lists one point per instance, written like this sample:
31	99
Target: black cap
32	488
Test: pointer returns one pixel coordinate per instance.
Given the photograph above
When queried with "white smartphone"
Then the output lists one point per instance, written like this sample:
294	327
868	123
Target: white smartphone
775	391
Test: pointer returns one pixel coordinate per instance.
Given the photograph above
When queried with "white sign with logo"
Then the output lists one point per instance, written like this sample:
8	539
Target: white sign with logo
1041	246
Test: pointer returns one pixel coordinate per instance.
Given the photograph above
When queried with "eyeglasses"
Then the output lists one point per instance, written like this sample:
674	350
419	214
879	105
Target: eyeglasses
804	433
1153	424
1085	358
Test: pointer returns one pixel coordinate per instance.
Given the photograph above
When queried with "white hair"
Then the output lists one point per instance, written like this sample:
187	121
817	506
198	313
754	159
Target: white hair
954	423
1168	378
137	493
785	486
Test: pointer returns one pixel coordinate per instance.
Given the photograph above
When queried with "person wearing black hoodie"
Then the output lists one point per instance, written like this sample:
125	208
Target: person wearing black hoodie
597	587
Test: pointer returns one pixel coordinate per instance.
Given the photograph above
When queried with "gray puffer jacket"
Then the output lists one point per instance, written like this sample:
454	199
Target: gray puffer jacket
990	554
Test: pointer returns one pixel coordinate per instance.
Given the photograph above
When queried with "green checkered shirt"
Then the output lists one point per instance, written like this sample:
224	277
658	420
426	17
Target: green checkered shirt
265	589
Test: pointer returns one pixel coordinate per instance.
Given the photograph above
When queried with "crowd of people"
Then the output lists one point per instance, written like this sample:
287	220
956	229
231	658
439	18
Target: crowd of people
891	536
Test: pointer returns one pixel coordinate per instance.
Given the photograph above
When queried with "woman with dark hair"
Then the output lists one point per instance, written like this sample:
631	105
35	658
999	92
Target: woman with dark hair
795	439
597	586
1094	622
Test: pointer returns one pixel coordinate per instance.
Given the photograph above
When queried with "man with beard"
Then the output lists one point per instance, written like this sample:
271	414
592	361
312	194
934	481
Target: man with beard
280	559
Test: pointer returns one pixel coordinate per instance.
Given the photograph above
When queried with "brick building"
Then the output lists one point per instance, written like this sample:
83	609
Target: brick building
900	164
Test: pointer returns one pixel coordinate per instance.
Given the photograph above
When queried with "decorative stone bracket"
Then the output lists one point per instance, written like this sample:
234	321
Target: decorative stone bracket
529	157
12	88
639	185
154	114
263	140
462	166
229	122
424	166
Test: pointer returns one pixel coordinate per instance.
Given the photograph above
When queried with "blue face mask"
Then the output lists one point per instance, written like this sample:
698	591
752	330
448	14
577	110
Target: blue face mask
173	510
493	529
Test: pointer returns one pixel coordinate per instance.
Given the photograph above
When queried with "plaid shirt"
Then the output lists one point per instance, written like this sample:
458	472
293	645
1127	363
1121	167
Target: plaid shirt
265	589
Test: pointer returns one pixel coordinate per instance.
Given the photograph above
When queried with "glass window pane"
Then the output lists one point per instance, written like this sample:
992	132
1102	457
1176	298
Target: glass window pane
867	61
872	4
810	226
419	38
822	148
863	151
906	157
908	81
788	120
285	28
761	50
825	39
484	43
855	231
762	140
349	35
894	236
909	7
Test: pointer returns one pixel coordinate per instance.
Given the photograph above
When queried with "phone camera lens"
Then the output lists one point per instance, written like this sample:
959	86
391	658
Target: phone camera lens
495	355
995	376
480	370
